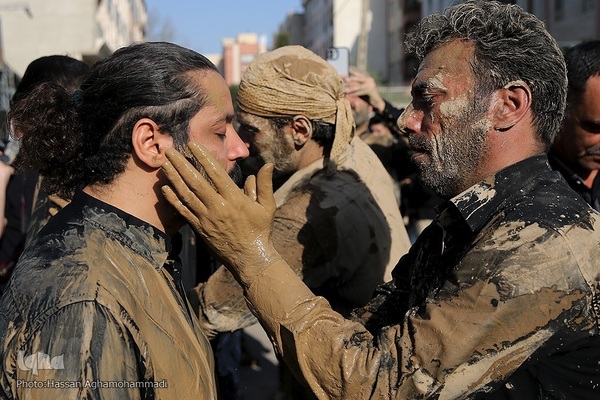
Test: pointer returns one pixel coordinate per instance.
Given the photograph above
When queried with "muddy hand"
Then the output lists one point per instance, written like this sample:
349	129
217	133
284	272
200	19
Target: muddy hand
236	224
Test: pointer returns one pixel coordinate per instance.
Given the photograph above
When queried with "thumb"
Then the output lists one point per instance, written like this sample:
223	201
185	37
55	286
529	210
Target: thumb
264	187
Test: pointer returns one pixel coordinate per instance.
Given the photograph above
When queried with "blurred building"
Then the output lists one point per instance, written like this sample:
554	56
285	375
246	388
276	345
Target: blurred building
355	24
216	59
83	29
238	53
402	16
569	22
291	31
373	31
381	30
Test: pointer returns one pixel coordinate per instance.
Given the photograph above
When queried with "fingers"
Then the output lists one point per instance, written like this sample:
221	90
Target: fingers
353	72
250	187
264	187
191	187
215	172
181	208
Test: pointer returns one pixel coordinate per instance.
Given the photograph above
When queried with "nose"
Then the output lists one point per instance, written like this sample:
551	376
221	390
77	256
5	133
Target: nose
410	120
238	149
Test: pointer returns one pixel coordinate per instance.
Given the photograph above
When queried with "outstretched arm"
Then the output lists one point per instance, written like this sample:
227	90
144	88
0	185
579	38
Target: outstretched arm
415	356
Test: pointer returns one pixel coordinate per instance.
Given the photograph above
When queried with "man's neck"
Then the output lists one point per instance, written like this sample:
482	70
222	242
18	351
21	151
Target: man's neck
139	196
587	177
310	152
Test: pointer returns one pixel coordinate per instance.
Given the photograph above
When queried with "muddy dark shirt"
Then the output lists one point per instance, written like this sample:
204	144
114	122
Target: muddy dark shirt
93	311
591	196
497	299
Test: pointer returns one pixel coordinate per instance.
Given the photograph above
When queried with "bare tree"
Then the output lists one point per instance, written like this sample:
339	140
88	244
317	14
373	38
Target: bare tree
160	27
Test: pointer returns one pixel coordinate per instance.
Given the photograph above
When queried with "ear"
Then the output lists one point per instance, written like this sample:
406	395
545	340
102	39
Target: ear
149	143
512	103
301	130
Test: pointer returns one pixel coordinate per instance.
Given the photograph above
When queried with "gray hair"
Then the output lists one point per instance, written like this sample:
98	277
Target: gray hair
510	45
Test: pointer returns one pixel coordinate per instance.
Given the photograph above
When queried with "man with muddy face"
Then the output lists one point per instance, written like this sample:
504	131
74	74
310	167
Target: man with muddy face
268	142
97	297
499	296
576	151
446	125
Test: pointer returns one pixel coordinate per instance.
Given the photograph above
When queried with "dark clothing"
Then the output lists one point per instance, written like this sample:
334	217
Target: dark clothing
94	299
499	298
591	196
19	194
390	115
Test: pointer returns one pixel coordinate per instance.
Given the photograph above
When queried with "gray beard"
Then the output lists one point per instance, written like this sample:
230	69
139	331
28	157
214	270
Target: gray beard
452	161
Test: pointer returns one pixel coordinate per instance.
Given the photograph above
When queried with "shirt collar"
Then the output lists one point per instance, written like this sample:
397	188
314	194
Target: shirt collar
476	204
140	236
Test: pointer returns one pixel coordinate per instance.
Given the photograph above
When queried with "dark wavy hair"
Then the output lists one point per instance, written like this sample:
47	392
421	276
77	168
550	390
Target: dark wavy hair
510	44
81	138
66	71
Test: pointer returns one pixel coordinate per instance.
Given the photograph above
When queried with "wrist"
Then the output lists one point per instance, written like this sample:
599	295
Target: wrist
251	266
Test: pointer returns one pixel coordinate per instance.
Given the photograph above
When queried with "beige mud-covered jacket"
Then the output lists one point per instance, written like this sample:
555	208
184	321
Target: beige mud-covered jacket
93	312
343	233
498	298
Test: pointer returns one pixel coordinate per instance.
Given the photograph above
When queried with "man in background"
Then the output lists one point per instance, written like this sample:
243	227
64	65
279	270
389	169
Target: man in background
391	150
576	150
417	202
